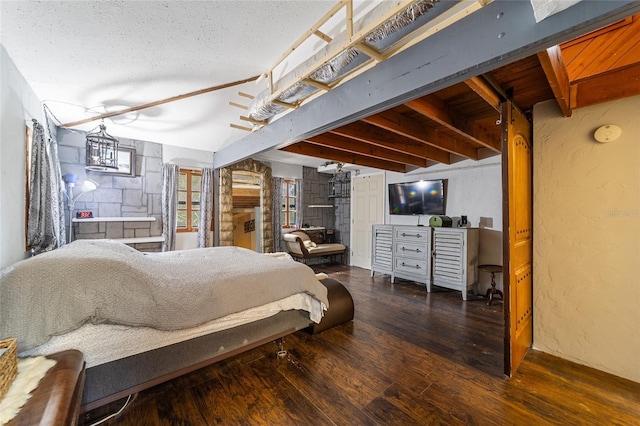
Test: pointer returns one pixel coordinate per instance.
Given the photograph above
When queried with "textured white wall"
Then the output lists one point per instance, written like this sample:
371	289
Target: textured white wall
18	106
587	237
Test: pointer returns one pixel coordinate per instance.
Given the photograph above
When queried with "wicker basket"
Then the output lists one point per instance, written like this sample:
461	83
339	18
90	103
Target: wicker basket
8	365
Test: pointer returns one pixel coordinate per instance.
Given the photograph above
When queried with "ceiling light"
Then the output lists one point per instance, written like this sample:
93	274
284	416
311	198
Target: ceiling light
102	150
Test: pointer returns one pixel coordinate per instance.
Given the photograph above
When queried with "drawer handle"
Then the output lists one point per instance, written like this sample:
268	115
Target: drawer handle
415	266
411	235
416	250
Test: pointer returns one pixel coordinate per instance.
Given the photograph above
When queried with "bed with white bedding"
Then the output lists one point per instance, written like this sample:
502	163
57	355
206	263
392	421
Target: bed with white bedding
142	318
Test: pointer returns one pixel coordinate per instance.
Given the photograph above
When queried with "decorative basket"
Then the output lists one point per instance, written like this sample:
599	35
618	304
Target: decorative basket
8	365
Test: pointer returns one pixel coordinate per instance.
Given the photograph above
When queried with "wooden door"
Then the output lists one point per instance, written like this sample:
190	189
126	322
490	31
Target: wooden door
367	209
518	233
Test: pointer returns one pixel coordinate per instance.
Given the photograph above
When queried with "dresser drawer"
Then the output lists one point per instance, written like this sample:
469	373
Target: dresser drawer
412	250
412	266
414	234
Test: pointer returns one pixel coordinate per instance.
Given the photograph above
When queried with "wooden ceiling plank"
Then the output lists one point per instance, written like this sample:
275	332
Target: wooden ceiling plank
556	72
617	84
485	91
430	107
350	145
404	126
305	148
376	136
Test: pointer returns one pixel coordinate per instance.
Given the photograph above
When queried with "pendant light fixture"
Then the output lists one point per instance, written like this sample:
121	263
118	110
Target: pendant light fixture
102	150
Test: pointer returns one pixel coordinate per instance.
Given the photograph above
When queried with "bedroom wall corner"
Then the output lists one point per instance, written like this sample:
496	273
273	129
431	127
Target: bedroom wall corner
586	209
18	105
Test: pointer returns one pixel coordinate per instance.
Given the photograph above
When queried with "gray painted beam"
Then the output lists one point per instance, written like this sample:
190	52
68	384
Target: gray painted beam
502	32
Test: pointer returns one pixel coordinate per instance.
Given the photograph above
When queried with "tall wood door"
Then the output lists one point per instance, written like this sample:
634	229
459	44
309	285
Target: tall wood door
517	230
367	209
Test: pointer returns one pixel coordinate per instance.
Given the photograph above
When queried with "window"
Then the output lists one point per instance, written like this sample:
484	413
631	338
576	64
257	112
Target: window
189	185
288	204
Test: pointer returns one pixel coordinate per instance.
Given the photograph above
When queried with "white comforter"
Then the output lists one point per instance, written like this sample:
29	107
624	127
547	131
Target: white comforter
109	282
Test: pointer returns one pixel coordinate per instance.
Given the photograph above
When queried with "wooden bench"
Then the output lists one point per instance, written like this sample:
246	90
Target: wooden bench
301	247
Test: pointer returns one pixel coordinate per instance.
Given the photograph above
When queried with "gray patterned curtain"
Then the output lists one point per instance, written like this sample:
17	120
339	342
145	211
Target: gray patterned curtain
59	188
277	214
170	176
43	226
206	208
299	201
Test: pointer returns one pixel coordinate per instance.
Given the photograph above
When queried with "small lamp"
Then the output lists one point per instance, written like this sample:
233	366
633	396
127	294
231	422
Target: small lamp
87	186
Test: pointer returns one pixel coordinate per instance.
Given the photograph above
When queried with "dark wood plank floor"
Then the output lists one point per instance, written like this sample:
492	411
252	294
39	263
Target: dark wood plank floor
408	358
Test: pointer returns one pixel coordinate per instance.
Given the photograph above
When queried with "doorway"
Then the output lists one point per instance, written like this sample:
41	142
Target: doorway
264	217
246	192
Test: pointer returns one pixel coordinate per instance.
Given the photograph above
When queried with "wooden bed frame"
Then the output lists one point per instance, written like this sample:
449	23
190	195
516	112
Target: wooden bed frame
115	380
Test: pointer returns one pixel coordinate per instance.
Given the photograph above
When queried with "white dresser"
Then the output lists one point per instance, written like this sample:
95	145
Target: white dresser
412	254
382	250
455	259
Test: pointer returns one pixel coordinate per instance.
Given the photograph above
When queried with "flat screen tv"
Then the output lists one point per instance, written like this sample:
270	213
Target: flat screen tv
416	198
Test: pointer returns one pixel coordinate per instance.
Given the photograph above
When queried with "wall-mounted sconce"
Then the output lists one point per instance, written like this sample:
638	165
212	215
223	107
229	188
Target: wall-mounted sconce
607	133
87	186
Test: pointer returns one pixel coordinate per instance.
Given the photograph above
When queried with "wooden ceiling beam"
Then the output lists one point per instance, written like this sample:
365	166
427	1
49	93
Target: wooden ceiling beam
305	148
374	135
362	148
555	70
434	109
404	126
617	84
483	89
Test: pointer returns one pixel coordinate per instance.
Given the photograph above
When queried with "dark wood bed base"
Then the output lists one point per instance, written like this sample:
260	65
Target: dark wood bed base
114	380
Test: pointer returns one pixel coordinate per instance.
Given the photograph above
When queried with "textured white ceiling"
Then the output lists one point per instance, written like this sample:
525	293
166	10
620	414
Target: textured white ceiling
83	58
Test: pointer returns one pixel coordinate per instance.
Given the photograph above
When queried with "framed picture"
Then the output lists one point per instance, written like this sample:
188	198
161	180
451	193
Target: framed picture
126	163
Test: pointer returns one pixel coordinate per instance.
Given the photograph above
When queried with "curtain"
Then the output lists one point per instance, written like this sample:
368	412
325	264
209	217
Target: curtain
299	201
43	225
58	186
277	214
206	208
170	176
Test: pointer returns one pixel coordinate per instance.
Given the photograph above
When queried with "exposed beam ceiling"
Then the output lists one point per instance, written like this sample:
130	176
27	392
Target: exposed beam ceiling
397	117
464	118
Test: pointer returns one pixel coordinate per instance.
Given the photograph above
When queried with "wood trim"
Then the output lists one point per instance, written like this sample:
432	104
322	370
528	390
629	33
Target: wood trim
161	102
617	84
555	70
397	123
306	148
363	148
435	110
384	139
483	89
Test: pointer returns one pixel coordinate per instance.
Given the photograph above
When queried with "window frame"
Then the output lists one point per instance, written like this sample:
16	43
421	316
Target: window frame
287	183
189	173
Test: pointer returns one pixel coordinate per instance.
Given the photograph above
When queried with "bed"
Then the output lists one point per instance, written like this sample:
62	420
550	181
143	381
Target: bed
144	318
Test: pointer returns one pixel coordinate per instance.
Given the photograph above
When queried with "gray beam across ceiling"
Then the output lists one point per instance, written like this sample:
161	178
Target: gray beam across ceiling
502	32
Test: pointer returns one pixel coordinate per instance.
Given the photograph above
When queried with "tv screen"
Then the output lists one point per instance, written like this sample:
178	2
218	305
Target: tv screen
415	198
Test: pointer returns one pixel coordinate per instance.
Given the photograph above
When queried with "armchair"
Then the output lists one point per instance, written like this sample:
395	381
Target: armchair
301	247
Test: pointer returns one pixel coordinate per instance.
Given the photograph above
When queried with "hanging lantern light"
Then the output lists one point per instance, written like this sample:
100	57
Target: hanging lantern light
102	150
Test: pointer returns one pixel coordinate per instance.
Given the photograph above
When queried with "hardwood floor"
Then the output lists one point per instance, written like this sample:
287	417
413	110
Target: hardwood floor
408	358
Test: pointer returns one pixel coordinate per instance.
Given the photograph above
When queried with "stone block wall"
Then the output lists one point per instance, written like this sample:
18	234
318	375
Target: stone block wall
119	196
316	191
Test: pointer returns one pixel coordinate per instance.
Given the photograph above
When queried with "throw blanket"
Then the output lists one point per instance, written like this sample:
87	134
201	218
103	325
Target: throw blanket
110	282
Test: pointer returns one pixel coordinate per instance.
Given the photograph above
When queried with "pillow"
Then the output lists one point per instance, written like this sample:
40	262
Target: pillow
308	243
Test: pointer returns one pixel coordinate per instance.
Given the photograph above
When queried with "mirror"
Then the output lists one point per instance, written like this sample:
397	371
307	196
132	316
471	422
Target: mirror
256	171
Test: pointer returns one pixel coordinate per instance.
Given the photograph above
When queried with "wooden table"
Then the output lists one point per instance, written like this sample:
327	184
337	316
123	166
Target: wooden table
56	400
493	270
